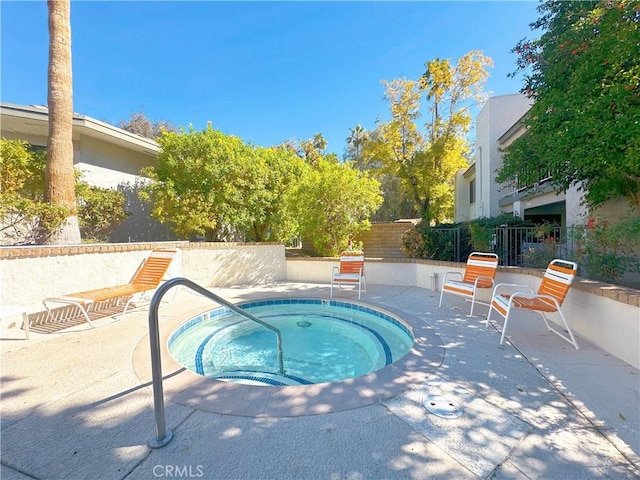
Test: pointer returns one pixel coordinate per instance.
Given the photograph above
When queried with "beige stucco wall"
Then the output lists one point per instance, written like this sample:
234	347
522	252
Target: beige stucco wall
28	280
498	115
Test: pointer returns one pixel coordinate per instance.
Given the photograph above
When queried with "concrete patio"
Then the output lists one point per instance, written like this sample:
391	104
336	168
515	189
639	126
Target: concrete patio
76	404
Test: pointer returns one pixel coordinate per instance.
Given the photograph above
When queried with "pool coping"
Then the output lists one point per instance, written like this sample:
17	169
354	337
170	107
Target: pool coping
187	388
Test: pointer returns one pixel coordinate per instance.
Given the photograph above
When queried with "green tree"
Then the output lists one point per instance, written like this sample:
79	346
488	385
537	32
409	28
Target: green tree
426	160
271	213
584	75
334	202
212	184
310	150
100	211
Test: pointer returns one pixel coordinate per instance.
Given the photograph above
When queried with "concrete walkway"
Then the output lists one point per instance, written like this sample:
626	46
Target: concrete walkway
75	405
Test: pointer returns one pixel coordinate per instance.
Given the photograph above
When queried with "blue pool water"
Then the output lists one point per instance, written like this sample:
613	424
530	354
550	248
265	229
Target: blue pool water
322	341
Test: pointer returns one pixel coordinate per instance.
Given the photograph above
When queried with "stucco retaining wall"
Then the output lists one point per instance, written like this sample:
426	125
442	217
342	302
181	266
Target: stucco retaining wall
29	274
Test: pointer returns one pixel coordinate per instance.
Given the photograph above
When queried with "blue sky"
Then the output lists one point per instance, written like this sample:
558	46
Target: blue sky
264	71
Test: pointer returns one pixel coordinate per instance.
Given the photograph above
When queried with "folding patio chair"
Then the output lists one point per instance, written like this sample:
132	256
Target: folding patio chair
548	299
350	271
479	273
148	277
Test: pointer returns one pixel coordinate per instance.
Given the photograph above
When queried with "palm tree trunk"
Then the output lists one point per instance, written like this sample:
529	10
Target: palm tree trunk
60	178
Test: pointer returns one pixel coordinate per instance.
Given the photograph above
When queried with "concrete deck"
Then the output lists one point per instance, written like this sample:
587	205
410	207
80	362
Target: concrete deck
77	404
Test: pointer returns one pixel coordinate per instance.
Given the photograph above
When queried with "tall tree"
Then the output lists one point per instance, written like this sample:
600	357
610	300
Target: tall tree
60	175
584	75
427	160
311	150
212	184
355	143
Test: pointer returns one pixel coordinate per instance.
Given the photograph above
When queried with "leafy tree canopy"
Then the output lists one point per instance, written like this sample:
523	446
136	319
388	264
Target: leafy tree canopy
310	150
212	184
334	202
426	159
584	75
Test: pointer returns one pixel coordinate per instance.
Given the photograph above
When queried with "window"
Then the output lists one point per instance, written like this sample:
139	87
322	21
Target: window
472	191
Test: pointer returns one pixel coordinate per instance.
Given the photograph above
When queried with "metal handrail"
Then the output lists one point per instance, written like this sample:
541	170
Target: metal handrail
164	436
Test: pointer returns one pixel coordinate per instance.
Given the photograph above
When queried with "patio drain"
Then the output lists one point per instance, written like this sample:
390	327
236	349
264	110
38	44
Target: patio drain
442	407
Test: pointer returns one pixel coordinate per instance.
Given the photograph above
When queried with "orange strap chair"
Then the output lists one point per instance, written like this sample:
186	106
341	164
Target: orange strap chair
479	273
350	272
148	277
552	291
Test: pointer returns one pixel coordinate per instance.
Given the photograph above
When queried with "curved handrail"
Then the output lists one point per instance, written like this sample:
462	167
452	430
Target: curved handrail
164	436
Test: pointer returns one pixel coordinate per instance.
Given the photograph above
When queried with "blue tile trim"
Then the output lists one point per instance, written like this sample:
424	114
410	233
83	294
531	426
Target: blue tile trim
203	344
268	381
239	373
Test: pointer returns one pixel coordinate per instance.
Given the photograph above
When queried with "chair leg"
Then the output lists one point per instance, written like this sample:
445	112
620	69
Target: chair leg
25	323
571	339
504	327
74	304
486	325
86	314
126	306
331	290
441	294
473	303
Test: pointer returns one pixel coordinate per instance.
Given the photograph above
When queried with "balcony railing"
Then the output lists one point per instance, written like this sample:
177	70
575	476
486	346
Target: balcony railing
513	187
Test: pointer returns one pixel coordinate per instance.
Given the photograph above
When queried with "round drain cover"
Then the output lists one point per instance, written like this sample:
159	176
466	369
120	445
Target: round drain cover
442	407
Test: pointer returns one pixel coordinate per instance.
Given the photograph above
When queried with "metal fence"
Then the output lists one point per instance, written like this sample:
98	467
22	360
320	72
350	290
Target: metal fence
532	246
516	246
536	247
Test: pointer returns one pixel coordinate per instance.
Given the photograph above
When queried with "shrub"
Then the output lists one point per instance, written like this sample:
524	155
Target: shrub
606	251
25	217
439	242
100	211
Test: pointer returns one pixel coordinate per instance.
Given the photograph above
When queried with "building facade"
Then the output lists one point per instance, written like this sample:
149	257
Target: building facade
500	123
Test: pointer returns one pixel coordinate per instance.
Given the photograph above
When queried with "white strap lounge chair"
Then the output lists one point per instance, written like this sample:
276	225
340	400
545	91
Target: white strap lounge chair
350	272
148	277
548	299
479	273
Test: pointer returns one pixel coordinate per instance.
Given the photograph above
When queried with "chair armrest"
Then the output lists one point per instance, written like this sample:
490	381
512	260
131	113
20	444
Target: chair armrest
535	295
335	270
481	277
510	285
444	280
